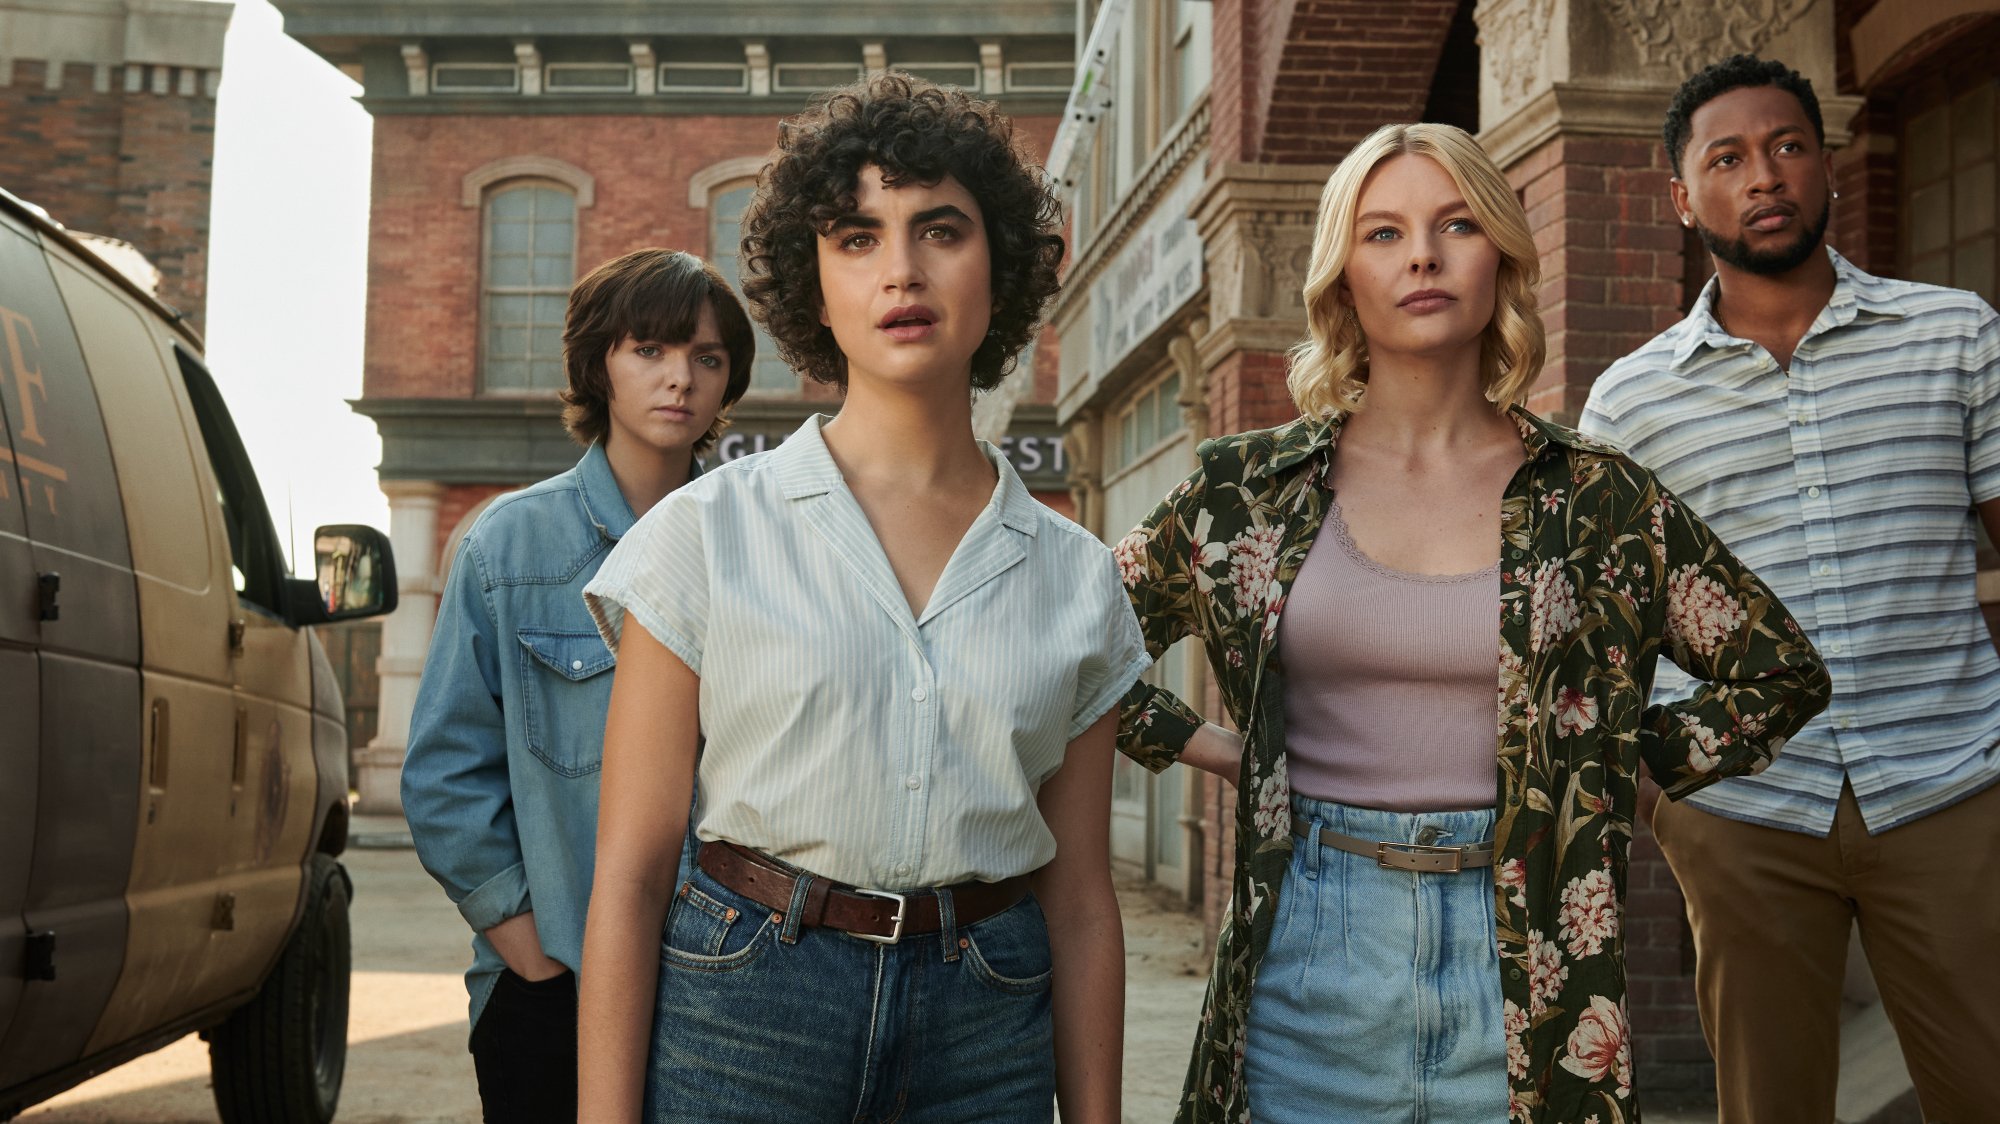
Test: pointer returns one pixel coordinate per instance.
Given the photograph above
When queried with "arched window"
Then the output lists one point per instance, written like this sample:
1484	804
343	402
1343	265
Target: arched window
529	264
725	235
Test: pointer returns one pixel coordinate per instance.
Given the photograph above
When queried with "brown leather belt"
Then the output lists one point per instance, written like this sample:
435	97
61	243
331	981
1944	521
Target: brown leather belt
878	915
1398	856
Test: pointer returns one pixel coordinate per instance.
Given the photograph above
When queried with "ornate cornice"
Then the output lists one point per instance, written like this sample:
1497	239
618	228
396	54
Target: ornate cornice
1684	37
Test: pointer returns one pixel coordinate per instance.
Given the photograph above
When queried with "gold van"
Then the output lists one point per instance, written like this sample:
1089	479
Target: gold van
173	753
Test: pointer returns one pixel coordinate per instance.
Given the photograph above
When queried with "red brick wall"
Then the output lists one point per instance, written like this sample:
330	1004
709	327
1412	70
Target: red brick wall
1612	264
424	244
1339	69
136	167
1247	391
455	504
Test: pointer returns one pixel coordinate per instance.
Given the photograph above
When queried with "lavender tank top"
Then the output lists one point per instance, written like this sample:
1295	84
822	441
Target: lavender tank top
1391	681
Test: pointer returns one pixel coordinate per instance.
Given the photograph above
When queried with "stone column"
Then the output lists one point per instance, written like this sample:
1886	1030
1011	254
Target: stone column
406	638
1256	224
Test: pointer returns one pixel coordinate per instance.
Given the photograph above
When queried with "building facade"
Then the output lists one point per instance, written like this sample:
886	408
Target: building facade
107	122
518	145
1193	195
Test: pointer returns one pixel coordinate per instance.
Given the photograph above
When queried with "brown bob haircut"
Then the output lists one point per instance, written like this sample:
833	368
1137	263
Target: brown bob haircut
915	132
652	295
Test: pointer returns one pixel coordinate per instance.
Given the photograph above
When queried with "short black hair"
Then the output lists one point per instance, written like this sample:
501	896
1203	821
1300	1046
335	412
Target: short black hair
916	132
653	295
1733	73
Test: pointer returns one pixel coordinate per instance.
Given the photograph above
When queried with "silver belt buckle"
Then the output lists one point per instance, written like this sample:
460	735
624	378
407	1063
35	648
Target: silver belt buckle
902	908
1457	855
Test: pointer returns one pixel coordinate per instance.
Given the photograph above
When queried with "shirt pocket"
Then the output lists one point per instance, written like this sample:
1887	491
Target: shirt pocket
565	692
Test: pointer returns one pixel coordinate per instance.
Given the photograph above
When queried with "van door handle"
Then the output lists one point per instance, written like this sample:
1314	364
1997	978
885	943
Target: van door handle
161	741
47	586
236	628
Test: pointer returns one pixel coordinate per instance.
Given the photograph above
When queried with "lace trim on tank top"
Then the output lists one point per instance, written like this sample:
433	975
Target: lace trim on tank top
1338	524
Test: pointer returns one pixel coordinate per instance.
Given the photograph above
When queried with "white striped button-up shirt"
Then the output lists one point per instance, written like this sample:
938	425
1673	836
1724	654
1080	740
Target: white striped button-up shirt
844	734
1847	484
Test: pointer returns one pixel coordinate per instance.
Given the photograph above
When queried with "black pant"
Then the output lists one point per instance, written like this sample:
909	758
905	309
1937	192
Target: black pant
524	1050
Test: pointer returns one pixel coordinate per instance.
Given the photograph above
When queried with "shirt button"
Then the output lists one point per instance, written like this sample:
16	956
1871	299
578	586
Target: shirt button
1813	491
918	694
913	783
902	870
1847	723
1825	569
576	665
1837	647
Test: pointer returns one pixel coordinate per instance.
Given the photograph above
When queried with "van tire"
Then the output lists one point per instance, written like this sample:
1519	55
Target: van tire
280	1057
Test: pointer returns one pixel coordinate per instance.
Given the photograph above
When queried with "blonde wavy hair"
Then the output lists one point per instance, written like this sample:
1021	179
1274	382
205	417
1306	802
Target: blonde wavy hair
1329	369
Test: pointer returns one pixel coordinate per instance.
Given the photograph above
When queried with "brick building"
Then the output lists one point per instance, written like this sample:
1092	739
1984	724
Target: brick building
107	121
518	145
1193	197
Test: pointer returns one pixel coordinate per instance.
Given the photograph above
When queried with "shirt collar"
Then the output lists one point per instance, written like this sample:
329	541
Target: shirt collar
1307	437
603	500
805	468
1853	292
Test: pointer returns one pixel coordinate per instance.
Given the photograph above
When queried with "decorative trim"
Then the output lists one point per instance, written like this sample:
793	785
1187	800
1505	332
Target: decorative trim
1513	39
473	188
1593	109
417	66
645	68
992	66
703	183
1682	37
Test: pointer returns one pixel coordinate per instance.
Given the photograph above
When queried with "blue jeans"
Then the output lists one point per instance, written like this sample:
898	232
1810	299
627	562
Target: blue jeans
1379	997
761	1020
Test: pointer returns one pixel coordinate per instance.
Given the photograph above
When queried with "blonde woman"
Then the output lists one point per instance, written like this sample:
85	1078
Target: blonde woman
1426	916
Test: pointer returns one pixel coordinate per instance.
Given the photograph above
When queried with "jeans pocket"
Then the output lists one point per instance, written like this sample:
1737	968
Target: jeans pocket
707	934
1009	952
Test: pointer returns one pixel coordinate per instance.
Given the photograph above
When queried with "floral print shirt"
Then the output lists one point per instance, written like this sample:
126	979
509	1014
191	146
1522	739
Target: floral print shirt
1602	572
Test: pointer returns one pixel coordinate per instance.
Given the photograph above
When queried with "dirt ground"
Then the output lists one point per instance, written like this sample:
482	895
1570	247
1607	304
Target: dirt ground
407	1062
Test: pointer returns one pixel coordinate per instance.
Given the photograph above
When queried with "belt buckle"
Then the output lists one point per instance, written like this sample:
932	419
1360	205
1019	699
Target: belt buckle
902	909
1457	856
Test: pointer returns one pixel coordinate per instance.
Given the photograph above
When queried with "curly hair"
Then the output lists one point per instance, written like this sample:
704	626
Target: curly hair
915	132
1329	372
652	295
1736	72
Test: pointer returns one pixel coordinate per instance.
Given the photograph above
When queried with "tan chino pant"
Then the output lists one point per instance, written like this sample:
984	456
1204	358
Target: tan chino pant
1771	911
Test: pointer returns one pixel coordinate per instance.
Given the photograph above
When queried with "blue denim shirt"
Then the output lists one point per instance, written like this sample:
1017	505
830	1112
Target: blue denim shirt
500	783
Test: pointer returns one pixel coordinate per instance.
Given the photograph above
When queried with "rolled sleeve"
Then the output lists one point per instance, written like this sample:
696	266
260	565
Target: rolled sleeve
457	796
1109	673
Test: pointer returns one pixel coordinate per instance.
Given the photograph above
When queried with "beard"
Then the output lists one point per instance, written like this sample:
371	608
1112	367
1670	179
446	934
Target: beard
1767	263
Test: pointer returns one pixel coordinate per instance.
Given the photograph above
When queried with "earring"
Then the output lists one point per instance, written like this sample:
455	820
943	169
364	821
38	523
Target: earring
1836	195
1687	220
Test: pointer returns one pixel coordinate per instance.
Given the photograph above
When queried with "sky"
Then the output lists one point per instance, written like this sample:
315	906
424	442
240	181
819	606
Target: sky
287	275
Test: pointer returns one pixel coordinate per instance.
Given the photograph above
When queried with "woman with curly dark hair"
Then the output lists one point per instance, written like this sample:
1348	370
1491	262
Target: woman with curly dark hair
907	673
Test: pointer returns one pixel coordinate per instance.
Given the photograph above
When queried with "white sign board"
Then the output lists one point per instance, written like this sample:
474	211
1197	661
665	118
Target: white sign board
1153	277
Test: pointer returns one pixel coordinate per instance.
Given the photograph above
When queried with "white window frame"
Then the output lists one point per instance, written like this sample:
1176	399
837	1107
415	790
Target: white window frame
779	84
972	69
551	85
438	86
1016	86
742	70
487	289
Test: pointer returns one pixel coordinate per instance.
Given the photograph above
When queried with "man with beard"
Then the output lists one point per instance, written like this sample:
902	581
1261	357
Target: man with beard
1838	431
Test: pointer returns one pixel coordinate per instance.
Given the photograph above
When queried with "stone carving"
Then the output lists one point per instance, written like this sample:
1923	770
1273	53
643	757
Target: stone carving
1684	37
1511	36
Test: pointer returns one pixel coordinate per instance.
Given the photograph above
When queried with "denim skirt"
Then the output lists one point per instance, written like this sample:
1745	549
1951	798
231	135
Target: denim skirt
1379	997
759	1020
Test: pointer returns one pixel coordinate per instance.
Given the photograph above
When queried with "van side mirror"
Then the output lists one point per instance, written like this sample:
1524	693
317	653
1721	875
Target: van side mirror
356	577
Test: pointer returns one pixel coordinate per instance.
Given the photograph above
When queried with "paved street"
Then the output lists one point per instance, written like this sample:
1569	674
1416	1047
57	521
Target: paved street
407	1062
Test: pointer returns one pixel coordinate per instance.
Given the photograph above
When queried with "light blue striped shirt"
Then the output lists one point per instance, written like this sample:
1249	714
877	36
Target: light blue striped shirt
1848	486
845	735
